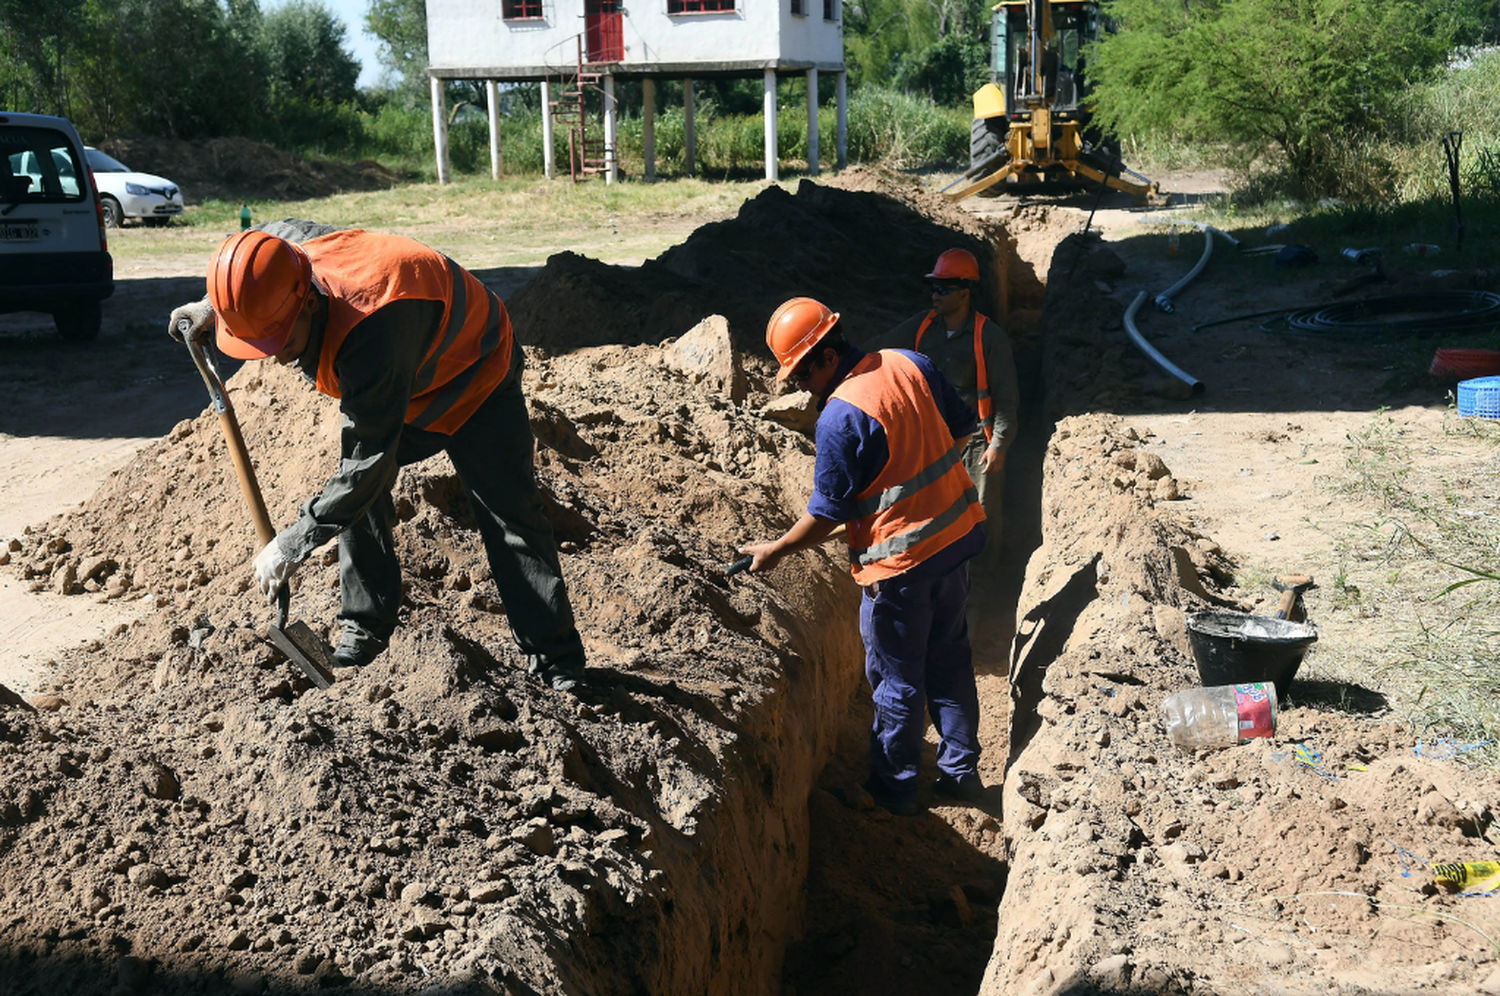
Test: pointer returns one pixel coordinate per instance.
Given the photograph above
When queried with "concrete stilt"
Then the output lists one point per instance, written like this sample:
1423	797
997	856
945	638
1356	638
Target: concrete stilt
648	126
549	156
439	129
773	166
492	100
812	121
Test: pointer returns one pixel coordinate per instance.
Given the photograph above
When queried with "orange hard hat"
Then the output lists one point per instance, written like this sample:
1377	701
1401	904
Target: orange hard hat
955	264
795	329
257	283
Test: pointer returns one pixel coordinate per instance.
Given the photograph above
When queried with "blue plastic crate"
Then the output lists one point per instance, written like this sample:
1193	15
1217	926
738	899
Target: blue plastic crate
1479	397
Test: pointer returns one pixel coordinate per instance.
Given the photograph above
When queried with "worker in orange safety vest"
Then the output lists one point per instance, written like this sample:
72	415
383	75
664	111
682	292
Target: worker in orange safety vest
421	357
973	352
890	435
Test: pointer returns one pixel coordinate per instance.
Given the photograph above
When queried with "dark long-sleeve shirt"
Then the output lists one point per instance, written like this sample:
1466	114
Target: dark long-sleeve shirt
954	356
852	450
375	371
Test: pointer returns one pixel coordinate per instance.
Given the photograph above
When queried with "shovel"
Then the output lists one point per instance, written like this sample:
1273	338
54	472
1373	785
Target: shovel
300	644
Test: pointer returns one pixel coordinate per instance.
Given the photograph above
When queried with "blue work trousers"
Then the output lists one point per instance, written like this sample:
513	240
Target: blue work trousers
917	651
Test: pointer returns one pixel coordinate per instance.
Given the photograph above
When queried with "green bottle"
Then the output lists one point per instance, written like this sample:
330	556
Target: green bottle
244	217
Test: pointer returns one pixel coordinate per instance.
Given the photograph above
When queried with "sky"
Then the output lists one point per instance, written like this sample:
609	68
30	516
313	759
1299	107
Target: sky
352	13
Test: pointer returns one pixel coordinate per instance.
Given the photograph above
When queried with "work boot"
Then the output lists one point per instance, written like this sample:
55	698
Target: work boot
901	805
357	648
564	675
964	788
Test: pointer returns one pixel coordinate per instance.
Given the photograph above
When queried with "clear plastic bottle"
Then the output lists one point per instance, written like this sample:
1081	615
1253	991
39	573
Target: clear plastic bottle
1220	716
1173	240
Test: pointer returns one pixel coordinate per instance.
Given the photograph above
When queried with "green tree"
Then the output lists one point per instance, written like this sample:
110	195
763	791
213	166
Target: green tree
401	26
303	44
1301	77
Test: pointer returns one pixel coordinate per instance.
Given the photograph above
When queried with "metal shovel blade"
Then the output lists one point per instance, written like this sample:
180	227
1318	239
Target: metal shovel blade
300	644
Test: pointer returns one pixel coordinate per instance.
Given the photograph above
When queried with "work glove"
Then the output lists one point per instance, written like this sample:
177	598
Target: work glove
273	568
196	319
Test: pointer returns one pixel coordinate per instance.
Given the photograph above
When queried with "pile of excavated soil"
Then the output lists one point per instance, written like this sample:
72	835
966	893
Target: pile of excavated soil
861	247
1299	864
235	169
183	812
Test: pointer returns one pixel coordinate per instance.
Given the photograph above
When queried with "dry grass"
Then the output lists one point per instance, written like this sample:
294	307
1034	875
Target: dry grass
481	223
1424	560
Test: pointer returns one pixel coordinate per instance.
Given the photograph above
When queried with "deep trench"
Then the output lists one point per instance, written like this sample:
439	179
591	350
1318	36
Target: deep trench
880	910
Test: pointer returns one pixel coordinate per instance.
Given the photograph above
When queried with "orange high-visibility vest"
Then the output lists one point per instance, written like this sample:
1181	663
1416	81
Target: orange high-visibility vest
470	355
981	375
922	500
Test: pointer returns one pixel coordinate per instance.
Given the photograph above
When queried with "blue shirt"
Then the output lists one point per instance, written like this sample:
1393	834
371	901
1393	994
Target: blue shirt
852	451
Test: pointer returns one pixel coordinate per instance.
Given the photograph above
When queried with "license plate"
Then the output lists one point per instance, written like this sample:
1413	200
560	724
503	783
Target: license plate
19	231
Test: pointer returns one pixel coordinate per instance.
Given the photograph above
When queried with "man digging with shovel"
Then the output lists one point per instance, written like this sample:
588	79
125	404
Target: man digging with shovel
420	355
890	441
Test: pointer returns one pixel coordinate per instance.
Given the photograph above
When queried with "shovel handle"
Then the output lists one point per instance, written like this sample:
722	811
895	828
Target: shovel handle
743	564
238	453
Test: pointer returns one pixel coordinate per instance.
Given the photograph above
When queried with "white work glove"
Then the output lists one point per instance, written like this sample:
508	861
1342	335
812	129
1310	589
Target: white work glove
198	319
273	569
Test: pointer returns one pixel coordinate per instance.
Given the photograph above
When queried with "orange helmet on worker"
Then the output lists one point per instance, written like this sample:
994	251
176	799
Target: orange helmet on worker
955	264
257	284
795	328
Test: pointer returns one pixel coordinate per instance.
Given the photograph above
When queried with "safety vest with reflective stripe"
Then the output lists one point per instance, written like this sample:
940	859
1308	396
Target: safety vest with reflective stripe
981	375
922	500
470	355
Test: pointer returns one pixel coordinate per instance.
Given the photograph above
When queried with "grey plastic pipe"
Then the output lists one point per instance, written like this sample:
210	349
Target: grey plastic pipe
1195	386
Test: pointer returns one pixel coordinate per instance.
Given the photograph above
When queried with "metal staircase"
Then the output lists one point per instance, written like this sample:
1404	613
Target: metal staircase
587	153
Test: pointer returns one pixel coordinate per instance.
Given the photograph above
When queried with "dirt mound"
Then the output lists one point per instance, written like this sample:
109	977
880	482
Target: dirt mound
860	244
1294	865
184	807
234	169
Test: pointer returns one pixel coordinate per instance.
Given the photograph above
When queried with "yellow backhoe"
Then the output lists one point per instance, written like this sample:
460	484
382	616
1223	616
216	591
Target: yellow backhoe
1031	123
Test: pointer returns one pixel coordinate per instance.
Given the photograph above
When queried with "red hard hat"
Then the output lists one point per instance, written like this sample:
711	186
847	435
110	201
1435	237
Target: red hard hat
955	264
795	329
257	283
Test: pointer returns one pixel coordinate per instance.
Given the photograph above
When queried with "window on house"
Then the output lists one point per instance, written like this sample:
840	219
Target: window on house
830	10
699	6
520	10
799	7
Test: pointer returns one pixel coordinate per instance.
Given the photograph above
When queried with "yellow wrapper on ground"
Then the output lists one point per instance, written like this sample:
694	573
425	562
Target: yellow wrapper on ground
1469	876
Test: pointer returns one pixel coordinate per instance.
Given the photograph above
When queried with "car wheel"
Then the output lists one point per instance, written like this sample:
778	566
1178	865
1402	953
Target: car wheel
79	322
114	217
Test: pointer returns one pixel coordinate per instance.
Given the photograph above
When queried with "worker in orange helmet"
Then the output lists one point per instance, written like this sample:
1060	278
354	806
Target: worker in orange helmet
890	434
973	352
421	357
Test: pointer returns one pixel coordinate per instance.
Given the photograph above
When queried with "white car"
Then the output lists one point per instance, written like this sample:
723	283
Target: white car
128	194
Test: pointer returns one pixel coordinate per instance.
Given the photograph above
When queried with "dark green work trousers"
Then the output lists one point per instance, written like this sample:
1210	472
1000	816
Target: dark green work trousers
493	453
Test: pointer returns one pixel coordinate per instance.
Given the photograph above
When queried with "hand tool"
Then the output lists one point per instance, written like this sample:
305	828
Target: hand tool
1291	587
297	640
743	564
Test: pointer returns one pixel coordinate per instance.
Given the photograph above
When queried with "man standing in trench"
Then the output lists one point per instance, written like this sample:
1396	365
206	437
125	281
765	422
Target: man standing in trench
890	435
421	357
973	352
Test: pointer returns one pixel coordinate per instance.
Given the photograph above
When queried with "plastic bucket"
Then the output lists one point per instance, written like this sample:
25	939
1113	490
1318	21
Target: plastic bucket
1233	648
1464	364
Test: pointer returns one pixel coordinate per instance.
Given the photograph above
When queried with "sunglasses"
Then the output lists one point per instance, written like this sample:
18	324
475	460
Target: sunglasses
943	290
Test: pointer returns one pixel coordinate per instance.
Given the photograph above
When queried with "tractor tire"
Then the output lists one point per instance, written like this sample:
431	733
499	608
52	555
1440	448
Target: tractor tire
986	139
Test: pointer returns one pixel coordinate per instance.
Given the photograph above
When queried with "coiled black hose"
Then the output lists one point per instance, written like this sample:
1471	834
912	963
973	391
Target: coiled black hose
1402	314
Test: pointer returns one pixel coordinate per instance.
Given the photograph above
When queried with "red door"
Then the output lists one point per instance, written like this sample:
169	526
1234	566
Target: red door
604	29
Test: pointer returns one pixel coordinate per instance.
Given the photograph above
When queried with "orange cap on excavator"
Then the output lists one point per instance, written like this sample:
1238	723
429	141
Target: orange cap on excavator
257	283
955	264
795	329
